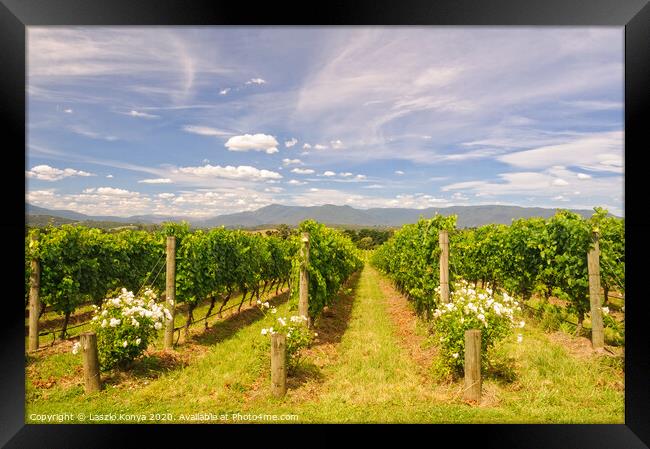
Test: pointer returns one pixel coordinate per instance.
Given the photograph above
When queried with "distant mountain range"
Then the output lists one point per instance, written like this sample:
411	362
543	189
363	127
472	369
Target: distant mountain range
275	214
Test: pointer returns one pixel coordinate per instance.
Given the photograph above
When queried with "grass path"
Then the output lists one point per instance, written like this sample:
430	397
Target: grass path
371	363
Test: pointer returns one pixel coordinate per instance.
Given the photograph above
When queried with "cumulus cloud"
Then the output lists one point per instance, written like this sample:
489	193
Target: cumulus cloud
306	146
110	191
156	181
254	142
346	174
291	142
303	171
399	172
205	131
109	176
68	111
560	182
224	91
295	182
336	144
244	172
320	147
583	176
47	173
166	196
291	162
329	173
256	81
360	177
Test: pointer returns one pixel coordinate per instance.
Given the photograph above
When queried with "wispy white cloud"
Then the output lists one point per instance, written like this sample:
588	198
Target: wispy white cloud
156	181
206	131
82	131
134	113
257	81
597	152
291	142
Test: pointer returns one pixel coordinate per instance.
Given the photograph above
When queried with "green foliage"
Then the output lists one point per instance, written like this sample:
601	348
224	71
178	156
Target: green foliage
411	258
332	259
81	264
368	238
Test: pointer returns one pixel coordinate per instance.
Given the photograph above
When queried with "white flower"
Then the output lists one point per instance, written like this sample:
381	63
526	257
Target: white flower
125	343
480	316
267	305
158	325
104	323
104	312
274	310
520	338
522	323
265	331
75	347
114	322
95	318
282	321
315	334
138	341
605	310
259	302
455	355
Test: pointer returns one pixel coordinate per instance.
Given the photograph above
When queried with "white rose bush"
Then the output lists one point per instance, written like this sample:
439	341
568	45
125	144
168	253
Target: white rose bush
125	325
295	329
469	308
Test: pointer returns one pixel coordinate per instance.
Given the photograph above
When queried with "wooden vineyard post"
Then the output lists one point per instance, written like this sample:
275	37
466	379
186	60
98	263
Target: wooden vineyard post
443	239
92	380
472	390
593	266
170	292
303	299
278	365
34	302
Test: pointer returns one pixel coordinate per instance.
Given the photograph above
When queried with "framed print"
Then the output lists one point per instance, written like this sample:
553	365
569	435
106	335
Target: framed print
359	213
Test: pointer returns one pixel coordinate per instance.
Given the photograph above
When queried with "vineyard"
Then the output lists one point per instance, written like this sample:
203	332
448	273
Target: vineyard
384	337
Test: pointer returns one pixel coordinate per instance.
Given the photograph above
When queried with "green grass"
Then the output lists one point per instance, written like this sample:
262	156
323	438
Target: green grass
360	372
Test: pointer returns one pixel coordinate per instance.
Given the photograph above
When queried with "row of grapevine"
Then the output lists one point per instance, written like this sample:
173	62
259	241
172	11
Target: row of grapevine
411	258
80	264
332	259
534	255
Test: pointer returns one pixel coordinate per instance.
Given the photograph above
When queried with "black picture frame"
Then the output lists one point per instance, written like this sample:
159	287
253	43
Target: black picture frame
634	15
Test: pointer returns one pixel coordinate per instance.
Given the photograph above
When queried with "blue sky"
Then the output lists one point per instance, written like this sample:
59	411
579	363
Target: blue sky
200	121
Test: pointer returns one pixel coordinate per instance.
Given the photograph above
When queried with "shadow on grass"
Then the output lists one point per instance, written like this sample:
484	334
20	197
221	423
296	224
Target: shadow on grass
226	328
334	320
302	374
